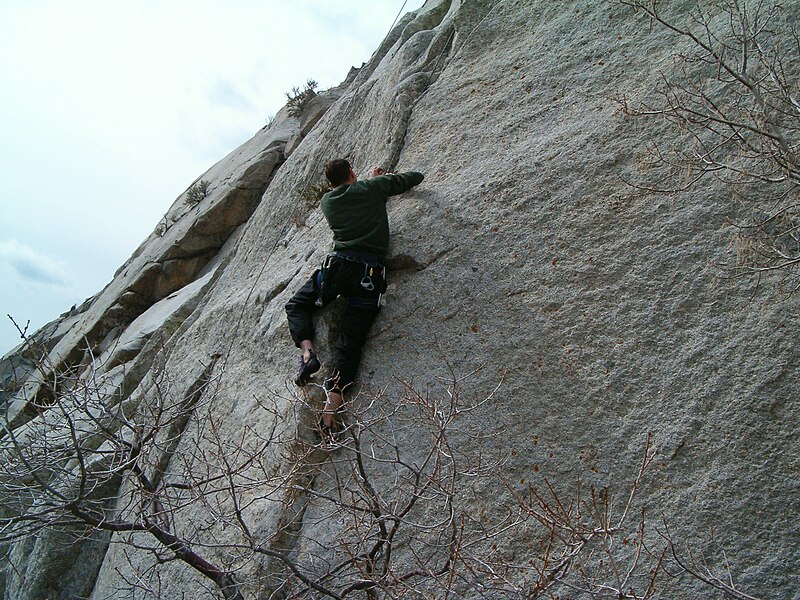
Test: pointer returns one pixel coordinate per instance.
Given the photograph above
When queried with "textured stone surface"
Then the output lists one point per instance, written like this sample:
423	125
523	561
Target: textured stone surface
599	306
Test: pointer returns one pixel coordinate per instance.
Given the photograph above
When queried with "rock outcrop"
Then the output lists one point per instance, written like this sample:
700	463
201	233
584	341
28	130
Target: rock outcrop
524	259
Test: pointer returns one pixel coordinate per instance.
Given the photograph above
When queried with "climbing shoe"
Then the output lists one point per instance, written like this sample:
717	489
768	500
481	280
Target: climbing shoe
307	369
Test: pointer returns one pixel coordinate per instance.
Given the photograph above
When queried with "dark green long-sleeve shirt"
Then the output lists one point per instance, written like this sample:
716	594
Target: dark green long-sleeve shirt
356	213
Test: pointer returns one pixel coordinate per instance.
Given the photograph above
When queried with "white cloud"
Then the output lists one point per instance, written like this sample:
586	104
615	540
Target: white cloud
32	266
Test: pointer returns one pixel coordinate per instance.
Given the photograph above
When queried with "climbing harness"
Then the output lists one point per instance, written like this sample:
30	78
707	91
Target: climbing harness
373	267
365	258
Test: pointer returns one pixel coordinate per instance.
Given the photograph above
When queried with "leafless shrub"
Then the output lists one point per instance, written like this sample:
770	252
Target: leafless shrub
164	224
697	566
94	462
585	544
397	523
733	96
387	511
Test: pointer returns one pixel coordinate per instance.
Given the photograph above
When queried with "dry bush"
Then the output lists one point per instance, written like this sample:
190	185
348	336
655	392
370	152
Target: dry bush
267	508
732	97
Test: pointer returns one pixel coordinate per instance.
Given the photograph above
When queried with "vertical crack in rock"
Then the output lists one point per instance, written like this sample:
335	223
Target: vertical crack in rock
424	22
388	43
292	514
174	436
413	86
305	468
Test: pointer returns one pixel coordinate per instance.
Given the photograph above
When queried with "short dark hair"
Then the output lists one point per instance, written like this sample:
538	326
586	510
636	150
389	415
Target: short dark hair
337	171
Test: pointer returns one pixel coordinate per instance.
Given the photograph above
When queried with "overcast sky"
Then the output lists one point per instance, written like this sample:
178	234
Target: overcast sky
110	109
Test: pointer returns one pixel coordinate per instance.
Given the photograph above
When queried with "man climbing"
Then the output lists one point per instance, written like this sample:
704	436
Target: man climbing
356	213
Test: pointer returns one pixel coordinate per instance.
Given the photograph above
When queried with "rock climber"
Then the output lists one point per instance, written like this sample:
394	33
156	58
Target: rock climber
356	213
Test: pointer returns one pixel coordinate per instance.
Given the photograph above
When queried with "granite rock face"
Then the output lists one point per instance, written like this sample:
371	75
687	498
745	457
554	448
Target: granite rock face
598	308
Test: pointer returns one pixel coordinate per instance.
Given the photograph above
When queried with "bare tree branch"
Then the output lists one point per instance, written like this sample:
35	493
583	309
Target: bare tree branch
733	95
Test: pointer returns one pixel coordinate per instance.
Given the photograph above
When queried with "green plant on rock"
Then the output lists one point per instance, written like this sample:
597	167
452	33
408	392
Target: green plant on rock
298	98
313	193
310	195
197	192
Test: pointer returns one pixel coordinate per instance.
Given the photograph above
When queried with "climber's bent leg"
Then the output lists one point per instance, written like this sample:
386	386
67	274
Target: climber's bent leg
359	315
300	311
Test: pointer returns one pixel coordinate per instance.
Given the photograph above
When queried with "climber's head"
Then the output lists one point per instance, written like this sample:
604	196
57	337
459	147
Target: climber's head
339	171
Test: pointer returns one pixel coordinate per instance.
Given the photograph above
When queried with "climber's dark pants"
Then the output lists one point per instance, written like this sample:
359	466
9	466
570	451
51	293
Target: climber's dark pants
341	277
